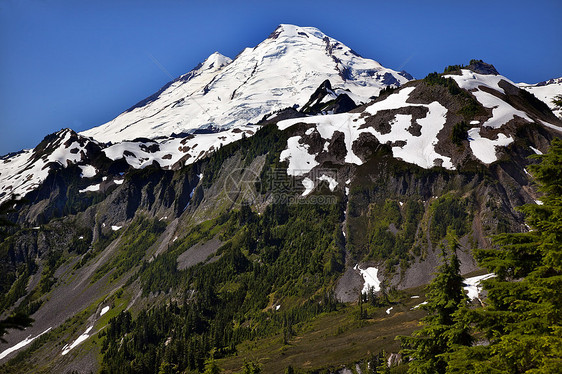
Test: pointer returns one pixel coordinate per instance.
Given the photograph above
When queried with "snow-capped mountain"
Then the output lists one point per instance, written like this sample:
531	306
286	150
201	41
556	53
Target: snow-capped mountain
546	91
108	203
282	71
222	100
25	171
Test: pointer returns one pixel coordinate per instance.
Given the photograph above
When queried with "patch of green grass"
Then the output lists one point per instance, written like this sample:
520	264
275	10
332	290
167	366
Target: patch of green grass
331	339
137	238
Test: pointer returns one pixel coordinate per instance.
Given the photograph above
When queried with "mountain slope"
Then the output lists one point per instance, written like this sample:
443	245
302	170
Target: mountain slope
418	124
546	91
212	241
282	71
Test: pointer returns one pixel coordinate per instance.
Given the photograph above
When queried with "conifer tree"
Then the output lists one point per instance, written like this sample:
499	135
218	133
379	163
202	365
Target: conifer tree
522	320
211	367
383	367
557	101
441	332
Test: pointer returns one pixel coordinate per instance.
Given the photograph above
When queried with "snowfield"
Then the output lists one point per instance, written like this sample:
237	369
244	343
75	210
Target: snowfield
283	70
168	152
88	171
484	149
300	161
67	348
370	278
419	150
502	112
104	310
21	344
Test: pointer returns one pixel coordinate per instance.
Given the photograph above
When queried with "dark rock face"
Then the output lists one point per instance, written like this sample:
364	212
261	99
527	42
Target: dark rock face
343	104
406	75
389	80
481	67
317	105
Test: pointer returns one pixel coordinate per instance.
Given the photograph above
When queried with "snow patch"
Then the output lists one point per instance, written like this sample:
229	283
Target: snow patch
21	344
92	188
536	150
419	150
473	287
332	184
546	93
389	309
419	305
78	341
116	228
308	186
484	149
26	170
88	171
300	160
502	112
104	310
370	278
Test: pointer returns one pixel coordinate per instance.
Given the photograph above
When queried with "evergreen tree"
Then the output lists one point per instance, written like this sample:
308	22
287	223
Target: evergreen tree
383	366
17	321
251	367
441	332
211	367
522	319
289	370
557	101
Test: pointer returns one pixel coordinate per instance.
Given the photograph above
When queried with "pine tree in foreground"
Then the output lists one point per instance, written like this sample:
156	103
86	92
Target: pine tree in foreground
522	320
442	329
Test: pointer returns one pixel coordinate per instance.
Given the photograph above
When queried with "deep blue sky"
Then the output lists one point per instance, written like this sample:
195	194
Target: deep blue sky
80	63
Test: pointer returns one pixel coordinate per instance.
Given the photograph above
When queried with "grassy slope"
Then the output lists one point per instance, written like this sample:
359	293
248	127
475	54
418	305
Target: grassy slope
334	339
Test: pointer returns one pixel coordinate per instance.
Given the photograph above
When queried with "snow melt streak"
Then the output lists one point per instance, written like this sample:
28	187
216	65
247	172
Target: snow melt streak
78	340
21	344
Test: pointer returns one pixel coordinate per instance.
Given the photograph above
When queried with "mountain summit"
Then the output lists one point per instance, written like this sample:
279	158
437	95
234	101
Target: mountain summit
282	71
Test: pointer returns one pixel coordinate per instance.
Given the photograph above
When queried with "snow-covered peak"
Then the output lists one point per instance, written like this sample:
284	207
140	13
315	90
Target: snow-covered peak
350	64
550	81
282	71
215	61
289	31
23	172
